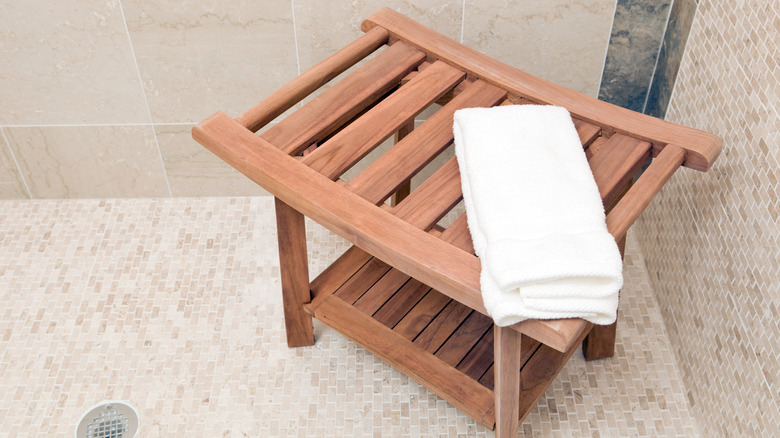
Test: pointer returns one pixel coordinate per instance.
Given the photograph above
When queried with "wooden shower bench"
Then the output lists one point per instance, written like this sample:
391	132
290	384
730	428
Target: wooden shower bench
408	290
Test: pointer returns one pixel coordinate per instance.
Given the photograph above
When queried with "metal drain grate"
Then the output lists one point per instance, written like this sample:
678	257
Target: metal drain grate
108	420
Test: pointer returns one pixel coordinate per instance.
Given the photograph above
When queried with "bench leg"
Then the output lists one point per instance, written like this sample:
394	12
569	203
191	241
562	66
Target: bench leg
600	342
294	269
506	368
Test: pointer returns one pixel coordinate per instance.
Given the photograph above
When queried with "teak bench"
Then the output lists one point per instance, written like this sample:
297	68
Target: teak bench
408	290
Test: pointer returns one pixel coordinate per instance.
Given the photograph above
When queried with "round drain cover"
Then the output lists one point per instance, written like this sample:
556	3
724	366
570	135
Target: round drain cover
109	419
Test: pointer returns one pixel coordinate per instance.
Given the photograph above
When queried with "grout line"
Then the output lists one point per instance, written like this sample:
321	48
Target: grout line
462	21
295	36
174	123
606	51
657	57
146	101
98	125
102	125
16	163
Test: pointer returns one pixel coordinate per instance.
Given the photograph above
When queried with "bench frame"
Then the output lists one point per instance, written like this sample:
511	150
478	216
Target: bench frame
408	290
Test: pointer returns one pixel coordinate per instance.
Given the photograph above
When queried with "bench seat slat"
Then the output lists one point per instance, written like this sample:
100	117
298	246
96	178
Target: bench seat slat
616	163
418	148
434	198
701	148
587	132
284	98
344	100
353	142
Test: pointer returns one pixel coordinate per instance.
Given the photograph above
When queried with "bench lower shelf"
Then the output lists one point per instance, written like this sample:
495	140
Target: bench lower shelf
440	343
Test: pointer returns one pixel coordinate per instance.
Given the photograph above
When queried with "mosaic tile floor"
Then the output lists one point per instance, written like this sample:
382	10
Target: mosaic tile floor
174	305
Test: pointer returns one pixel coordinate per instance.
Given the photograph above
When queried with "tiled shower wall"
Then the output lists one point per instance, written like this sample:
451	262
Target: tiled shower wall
712	241
97	98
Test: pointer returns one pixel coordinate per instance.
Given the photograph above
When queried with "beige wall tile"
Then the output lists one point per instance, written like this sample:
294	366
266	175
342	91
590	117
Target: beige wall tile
194	171
11	184
711	240
560	40
67	62
89	161
323	27
206	56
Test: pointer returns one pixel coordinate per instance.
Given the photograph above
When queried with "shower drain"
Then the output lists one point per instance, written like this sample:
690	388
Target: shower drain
110	419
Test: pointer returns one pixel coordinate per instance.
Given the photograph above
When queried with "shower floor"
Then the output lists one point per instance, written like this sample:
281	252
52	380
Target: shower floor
174	305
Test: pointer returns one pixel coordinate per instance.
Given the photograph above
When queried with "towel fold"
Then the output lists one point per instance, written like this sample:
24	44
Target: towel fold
535	216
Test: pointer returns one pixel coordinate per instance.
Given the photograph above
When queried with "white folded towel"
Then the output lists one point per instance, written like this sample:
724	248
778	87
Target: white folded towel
535	216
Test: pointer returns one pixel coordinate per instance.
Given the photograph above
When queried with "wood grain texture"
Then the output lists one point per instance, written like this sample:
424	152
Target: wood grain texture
381	291
480	358
506	347
529	346
458	345
339	271
344	100
444	380
361	136
587	132
294	270
418	254
407	291
644	190
616	164
416	150
458	235
284	98
422	314
701	148
440	328
398	306
405	187
409	249
434	198
540	370
559	334
600	342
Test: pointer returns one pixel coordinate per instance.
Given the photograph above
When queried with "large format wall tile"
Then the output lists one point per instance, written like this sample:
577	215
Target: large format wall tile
89	161
558	40
194	171
637	32
67	62
677	30
11	184
323	27
207	55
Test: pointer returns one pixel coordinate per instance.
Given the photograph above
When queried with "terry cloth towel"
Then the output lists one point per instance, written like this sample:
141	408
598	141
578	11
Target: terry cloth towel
535	216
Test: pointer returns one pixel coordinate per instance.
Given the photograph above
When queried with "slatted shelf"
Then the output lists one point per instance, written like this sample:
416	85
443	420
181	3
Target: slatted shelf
423	319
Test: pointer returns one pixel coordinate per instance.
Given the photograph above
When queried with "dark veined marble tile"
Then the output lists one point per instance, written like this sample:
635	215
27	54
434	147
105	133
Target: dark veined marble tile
637	32
670	56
